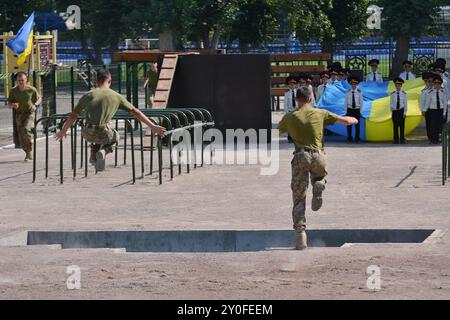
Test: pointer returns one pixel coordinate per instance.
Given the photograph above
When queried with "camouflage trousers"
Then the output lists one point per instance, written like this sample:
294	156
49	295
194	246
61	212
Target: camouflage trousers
46	112
306	166
100	136
25	126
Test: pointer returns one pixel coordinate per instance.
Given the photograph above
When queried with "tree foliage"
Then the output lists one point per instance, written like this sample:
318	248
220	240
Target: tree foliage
404	19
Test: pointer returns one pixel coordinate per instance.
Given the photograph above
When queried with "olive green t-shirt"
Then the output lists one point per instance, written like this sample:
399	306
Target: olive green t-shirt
25	98
305	126
101	105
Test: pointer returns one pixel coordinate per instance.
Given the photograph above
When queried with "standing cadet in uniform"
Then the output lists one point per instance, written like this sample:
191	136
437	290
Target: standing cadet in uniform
374	76
428	79
100	106
353	105
333	77
439	68
324	77
436	105
150	83
305	126
407	73
399	108
25	99
347	74
289	96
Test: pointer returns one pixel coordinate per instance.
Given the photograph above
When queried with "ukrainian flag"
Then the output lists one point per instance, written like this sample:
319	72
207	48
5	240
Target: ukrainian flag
376	124
22	43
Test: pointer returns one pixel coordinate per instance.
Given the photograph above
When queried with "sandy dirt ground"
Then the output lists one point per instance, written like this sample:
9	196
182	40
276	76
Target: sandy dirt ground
370	186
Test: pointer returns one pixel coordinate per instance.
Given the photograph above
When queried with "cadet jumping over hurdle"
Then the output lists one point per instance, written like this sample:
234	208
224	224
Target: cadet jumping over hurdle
305	126
100	106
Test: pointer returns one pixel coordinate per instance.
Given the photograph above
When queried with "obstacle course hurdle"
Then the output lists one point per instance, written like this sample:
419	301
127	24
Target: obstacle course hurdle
174	120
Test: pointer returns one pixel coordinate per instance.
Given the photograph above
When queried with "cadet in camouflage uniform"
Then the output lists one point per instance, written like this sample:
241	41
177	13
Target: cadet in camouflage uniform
100	106
25	99
305	126
151	81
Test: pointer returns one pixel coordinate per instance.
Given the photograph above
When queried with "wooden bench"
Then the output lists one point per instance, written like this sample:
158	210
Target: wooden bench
285	64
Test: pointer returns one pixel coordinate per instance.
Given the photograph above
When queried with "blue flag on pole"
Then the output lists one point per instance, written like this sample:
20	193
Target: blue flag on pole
22	43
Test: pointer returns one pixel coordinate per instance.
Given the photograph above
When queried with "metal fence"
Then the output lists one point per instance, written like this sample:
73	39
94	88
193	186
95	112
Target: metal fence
356	55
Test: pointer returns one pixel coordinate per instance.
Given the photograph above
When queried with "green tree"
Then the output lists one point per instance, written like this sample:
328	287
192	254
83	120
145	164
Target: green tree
255	22
307	18
211	20
107	22
348	22
14	13
404	19
172	20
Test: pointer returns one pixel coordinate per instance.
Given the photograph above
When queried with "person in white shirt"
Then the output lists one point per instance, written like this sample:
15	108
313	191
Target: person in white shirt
437	106
439	68
399	108
324	77
374	76
427	77
289	96
407	71
333	77
290	102
354	105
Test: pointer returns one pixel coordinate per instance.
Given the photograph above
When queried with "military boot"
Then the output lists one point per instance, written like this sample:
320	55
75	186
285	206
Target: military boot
317	200
302	240
28	156
93	157
100	162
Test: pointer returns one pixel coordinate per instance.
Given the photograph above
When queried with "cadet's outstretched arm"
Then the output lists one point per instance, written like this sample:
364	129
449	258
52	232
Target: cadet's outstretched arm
152	126
70	121
347	120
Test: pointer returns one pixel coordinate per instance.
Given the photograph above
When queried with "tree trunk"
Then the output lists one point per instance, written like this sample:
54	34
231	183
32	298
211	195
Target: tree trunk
401	54
166	41
243	47
98	54
84	45
216	38
205	40
328	46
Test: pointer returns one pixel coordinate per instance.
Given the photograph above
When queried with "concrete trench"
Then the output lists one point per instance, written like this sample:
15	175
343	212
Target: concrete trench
215	240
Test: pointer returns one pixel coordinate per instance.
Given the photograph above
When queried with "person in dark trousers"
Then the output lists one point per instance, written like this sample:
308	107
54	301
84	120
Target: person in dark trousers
399	108
353	105
427	77
437	106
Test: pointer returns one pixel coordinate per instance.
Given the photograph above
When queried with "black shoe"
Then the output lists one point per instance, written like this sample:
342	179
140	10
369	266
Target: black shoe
349	140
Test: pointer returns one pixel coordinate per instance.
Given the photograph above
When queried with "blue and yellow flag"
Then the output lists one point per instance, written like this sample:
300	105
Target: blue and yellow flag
376	124
22	43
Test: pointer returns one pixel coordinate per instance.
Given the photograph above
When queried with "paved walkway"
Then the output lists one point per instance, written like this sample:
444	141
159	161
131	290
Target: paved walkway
371	186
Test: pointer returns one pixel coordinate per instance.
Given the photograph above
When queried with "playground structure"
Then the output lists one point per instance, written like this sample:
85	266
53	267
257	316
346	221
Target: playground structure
44	52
